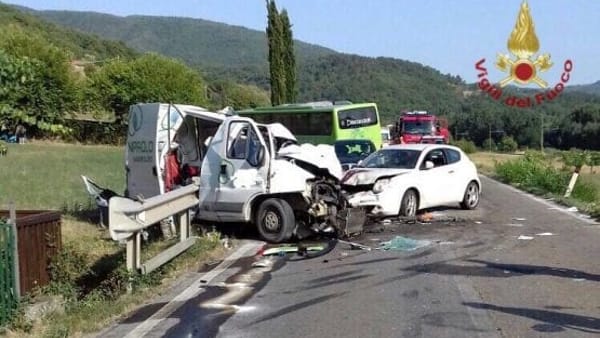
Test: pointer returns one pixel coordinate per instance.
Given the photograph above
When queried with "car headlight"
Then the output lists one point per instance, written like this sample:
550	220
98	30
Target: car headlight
380	185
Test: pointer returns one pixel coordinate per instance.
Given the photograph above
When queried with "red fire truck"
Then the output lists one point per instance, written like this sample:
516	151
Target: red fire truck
420	127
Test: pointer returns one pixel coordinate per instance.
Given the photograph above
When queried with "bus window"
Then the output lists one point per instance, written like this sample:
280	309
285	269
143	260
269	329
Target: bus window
358	117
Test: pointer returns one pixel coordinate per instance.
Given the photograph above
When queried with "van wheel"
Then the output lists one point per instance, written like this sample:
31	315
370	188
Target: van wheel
275	220
471	197
409	204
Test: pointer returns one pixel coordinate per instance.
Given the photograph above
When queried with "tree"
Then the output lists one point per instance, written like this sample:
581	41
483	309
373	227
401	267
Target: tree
289	59
36	83
149	78
238	96
276	59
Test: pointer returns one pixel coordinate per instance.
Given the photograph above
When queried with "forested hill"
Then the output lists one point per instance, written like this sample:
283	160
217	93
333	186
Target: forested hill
78	44
198	42
224	53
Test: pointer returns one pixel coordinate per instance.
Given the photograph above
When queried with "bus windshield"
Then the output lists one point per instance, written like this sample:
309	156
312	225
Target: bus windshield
357	117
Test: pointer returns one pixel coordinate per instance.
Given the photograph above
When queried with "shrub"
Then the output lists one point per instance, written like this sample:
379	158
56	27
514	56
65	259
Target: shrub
466	146
508	144
489	144
532	172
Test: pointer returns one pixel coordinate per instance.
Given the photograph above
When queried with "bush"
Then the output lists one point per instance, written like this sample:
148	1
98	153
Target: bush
508	144
489	144
532	172
466	146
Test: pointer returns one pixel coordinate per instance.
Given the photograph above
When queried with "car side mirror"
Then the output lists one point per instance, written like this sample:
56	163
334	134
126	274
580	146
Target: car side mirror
429	165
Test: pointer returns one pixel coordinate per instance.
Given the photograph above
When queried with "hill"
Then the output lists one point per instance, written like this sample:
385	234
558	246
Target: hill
77	43
198	42
592	88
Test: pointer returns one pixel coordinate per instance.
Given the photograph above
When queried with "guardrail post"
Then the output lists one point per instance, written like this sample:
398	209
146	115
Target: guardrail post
133	252
12	216
184	225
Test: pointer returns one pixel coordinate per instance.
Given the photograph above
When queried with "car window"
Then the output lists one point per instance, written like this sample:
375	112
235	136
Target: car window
392	158
452	155
437	157
243	143
237	140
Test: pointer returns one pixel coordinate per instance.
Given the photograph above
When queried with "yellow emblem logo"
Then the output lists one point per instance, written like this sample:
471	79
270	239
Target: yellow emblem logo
523	44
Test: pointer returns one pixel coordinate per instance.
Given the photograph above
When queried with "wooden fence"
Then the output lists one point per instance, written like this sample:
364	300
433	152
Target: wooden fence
38	240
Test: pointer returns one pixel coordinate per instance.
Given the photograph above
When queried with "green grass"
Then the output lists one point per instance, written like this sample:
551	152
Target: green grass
44	175
48	175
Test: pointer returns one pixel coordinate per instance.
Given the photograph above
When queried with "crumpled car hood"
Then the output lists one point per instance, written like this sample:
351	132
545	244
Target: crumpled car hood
364	176
321	156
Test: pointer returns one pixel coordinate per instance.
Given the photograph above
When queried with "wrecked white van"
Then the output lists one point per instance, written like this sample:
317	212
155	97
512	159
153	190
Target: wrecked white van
259	174
249	172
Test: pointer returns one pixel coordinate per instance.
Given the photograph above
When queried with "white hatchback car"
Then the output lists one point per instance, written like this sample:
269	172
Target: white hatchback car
402	179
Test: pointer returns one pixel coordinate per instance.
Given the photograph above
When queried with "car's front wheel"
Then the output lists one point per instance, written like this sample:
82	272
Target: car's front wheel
471	198
409	204
275	220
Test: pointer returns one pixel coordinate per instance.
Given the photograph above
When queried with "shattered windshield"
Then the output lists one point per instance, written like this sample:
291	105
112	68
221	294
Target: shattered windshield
418	127
352	151
392	158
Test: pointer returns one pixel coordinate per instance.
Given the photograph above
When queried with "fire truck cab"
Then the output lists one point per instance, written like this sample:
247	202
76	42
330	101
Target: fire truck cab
420	127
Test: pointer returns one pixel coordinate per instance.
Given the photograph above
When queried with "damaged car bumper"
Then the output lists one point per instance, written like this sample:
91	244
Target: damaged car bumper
377	204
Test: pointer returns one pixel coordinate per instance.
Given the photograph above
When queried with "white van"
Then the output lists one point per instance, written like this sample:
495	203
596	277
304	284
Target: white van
249	172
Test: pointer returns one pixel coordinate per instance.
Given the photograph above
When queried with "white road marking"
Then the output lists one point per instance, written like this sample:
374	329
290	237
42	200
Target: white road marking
191	292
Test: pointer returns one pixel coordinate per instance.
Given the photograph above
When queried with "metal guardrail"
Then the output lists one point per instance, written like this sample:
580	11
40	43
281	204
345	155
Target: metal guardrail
128	218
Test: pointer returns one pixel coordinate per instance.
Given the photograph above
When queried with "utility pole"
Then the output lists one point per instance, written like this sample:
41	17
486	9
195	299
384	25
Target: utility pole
542	133
490	137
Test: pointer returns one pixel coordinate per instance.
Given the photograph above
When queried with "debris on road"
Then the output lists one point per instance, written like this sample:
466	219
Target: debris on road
404	244
426	217
544	234
519	219
514	224
523	237
478	222
572	209
283	250
355	245
266	262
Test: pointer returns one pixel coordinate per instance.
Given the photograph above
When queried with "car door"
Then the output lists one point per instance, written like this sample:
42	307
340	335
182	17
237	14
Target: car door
459	175
243	171
436	181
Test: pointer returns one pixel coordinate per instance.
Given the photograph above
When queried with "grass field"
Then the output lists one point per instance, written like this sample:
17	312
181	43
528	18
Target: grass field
48	175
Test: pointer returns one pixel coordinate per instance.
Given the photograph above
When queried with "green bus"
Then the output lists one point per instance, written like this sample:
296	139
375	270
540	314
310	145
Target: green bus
323	122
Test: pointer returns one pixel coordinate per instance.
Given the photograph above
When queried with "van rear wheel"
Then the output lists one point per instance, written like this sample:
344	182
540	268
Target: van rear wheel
275	220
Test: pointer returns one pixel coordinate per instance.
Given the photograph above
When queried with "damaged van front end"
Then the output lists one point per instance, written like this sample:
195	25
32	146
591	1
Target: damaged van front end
259	174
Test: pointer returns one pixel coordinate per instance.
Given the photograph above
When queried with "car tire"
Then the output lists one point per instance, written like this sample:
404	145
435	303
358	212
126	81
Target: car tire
471	197
409	204
275	220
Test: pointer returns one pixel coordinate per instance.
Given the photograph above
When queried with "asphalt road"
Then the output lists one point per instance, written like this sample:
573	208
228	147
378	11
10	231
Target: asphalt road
476	278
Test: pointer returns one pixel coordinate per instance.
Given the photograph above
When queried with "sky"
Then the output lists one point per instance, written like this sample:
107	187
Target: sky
450	36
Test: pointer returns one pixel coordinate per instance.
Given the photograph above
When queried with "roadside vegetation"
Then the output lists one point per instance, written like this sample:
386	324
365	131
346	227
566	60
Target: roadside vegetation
548	174
89	278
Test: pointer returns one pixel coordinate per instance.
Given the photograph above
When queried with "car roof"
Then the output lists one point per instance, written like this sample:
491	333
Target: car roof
420	146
